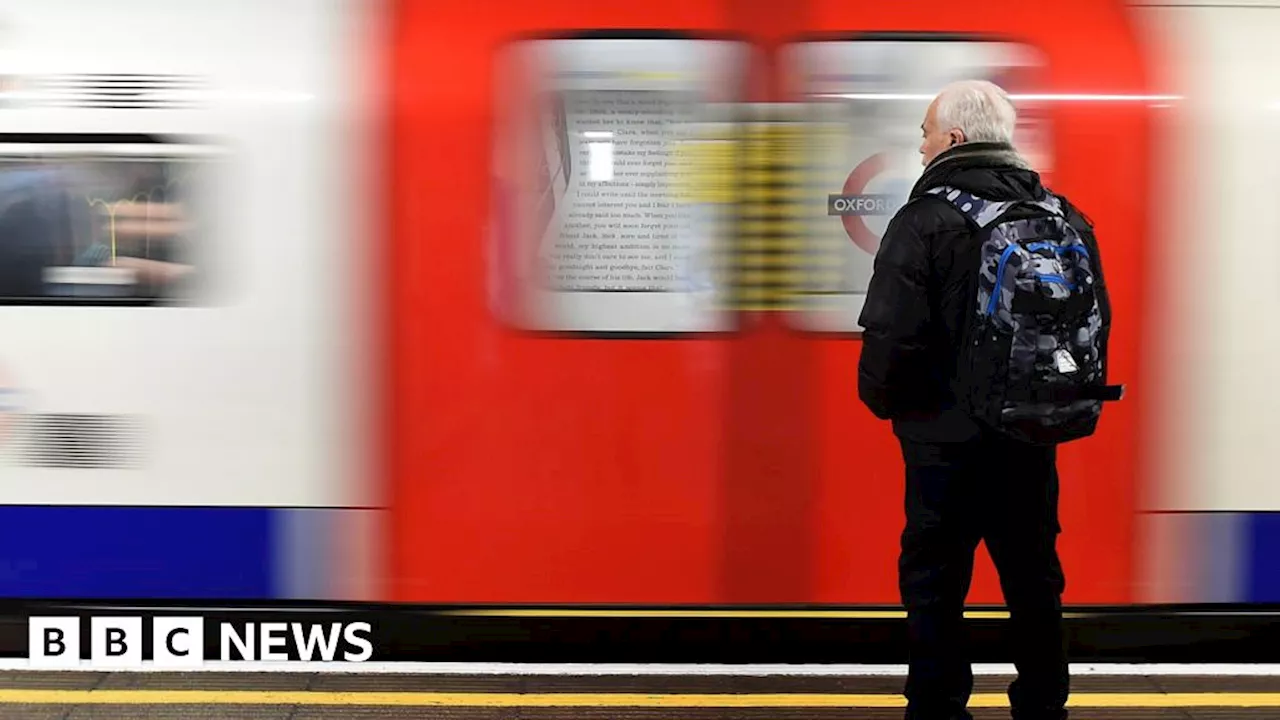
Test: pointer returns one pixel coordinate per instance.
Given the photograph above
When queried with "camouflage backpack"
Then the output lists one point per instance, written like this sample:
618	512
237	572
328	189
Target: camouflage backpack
1034	363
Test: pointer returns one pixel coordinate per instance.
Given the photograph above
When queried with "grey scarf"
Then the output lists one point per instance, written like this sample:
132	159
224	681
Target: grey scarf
1001	153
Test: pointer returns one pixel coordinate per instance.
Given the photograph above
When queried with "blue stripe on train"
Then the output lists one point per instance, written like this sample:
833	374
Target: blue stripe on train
1262	552
138	552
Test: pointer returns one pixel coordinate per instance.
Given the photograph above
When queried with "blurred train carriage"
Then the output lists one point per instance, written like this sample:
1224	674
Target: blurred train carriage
187	305
290	311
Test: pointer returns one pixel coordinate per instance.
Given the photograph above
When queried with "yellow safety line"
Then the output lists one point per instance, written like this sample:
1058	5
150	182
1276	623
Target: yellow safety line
638	700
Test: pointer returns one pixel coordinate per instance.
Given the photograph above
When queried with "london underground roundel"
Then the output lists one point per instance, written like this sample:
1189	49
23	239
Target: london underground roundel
872	194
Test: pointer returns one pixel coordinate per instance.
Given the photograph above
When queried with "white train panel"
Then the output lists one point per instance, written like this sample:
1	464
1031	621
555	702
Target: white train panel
247	387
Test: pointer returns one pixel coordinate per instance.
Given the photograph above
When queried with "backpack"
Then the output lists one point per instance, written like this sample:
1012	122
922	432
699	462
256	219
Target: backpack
1033	366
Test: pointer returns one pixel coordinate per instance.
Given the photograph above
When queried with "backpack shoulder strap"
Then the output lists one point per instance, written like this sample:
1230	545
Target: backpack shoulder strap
983	212
1078	219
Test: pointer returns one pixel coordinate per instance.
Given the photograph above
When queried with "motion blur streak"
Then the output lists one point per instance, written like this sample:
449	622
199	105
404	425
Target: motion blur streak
558	302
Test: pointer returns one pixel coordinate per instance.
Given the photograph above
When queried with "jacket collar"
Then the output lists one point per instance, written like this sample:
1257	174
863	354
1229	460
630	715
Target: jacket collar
970	154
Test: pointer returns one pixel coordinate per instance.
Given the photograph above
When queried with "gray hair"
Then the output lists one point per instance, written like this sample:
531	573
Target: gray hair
979	109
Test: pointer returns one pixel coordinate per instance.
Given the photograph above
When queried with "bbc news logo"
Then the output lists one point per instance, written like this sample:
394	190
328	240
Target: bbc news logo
181	641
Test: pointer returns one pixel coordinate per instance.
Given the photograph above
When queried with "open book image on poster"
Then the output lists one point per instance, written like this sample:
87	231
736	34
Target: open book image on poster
864	102
599	227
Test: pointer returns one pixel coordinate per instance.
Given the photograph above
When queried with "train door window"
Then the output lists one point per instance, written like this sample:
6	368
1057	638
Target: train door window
864	100
609	168
101	220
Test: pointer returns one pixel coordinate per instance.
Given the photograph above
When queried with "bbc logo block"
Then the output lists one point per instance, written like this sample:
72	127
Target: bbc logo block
178	642
53	642
115	642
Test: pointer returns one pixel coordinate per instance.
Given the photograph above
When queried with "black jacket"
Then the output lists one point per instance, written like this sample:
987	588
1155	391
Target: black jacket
923	287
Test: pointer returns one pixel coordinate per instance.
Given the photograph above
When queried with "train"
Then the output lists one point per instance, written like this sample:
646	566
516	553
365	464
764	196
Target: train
283	321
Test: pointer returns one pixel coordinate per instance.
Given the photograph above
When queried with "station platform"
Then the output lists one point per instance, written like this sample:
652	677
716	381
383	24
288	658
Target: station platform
604	692
638	663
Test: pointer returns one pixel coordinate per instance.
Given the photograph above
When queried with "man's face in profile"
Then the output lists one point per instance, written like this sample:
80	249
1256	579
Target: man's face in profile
936	140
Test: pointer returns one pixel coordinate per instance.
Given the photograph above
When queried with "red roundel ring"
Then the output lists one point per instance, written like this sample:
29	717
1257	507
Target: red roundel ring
854	185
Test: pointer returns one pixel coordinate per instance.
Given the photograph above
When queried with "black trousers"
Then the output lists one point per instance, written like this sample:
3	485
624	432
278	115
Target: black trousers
1006	494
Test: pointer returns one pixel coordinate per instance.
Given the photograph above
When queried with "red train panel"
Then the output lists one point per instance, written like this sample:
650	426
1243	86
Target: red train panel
727	469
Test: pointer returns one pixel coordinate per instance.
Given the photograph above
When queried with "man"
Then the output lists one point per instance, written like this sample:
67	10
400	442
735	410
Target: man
964	482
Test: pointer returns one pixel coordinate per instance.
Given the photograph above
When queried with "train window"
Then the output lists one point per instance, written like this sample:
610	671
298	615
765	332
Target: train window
100	220
864	100
598	225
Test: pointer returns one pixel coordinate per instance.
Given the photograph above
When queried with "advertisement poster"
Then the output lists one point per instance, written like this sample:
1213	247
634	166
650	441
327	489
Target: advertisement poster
610	203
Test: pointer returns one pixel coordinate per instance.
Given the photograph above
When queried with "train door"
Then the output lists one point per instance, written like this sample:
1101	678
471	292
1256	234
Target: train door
1086	124
559	336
